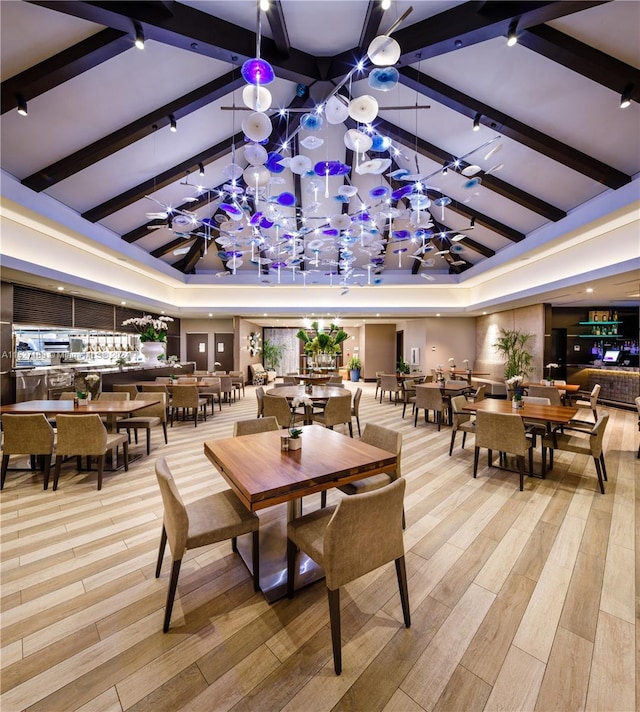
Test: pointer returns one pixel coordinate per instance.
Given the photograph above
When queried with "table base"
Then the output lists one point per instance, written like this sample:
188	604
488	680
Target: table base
273	556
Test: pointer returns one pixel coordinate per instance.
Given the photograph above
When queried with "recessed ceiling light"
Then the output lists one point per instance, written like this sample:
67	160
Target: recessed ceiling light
61	289
437	314
122	303
484	313
589	290
210	314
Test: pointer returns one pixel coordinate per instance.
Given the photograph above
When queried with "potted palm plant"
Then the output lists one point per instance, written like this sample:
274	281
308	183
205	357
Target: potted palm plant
514	346
354	366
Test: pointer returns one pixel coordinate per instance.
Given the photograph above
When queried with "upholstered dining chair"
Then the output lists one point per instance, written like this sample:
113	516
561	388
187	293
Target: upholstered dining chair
462	421
86	436
67	395
505	433
379	375
237	379
549	392
536	428
187	380
479	394
589	443
355	408
209	520
227	389
153	416
279	407
129	388
111	421
359	535
336	412
28	435
209	388
429	399
155	387
408	394
582	422
255	425
260	400
290	380
187	398
389	384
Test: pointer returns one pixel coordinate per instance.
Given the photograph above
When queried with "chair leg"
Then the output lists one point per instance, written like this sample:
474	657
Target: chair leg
453	437
350	429
599	473
323	499
164	430
401	572
520	460
5	464
476	453
255	556
46	469
531	463
100	470
125	455
56	473
163	544
604	469
464	438
173	584
360	434
334	618
292	550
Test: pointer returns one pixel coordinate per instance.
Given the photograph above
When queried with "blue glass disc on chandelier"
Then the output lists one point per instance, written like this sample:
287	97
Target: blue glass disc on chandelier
286	199
380	143
380	191
383	78
257	72
273	162
311	122
401	192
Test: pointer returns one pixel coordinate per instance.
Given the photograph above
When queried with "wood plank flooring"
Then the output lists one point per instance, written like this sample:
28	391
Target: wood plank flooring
519	600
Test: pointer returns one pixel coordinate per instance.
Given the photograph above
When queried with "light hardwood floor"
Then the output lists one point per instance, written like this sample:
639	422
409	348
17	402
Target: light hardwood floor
519	600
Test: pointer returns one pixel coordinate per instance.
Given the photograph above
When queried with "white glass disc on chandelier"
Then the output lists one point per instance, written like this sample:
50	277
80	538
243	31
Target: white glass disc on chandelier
257	127
256	98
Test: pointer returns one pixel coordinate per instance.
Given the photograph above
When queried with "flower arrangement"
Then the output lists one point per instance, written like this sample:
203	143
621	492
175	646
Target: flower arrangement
173	361
150	329
465	361
551	366
254	343
295	433
92	379
452	363
515	382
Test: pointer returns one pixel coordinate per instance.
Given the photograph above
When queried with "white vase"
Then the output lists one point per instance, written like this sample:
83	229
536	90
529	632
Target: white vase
295	443
150	350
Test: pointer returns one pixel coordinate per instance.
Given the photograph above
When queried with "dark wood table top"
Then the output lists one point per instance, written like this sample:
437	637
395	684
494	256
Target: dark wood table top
530	411
317	378
567	387
102	407
317	392
262	475
441	386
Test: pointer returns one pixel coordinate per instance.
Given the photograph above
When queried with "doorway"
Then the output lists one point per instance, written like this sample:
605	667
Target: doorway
198	350
223	351
559	351
399	346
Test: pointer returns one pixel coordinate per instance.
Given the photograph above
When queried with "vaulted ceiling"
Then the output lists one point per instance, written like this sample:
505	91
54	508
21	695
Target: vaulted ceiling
440	199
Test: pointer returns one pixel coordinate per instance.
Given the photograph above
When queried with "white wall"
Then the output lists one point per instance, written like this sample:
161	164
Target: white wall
439	338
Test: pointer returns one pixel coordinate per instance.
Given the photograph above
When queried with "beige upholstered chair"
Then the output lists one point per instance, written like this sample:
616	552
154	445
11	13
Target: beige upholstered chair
359	535
355	408
67	395
156	387
206	521
389	384
590	443
278	406
226	389
255	425
167	380
429	399
237	379
335	380
111	421
505	433
583	422
553	394
408	394
28	435
209	388
129	388
85	435
260	399
479	394
187	380
336	412
187	398
290	380
461	421
153	416
379	375
536	428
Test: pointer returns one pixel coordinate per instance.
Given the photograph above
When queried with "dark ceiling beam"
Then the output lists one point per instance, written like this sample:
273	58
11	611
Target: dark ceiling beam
513	129
275	16
439	155
63	66
462	26
581	58
188	263
371	26
192	30
135	131
171	246
219	150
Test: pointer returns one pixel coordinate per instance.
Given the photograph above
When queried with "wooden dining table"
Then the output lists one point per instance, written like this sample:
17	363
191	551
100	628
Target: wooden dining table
267	478
558	414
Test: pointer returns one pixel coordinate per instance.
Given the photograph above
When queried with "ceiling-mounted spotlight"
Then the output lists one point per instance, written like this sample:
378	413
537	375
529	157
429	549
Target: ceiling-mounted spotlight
172	123
201	168
476	122
385	4
512	35
473	221
445	169
22	105
625	97
139	42
264	5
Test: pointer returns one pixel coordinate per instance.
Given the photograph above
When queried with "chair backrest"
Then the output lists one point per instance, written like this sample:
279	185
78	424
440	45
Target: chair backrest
112	396
597	434
67	395
538	400
595	392
638	404
186	396
260	399
388	383
501	431
454	383
559	382
163	379
187	380
129	388
429	398
226	386
479	394
255	425
157	410
356	401
81	435
338	410
335	379
459	416
154	388
27	434
289	380
549	392
386	439
364	533
210	381
278	407
176	519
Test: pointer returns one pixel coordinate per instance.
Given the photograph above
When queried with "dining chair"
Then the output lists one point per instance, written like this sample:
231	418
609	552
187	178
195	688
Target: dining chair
580	444
226	389
335	380
478	395
505	433
549	392
379	375
110	420
167	380
86	436
187	398
389	384
279	407
29	434
209	388
153	416
237	379
583	422
129	388
408	394
534	427
429	399
462	420
155	387
67	395
208	520
255	425
355	408
359	535
187	380
336	412
260	399
290	380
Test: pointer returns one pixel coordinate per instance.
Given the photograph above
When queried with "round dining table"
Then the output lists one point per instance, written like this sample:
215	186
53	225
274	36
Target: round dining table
318	394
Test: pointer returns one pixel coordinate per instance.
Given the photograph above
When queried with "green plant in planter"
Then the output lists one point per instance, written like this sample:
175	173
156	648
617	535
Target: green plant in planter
272	354
354	364
514	346
320	341
402	366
